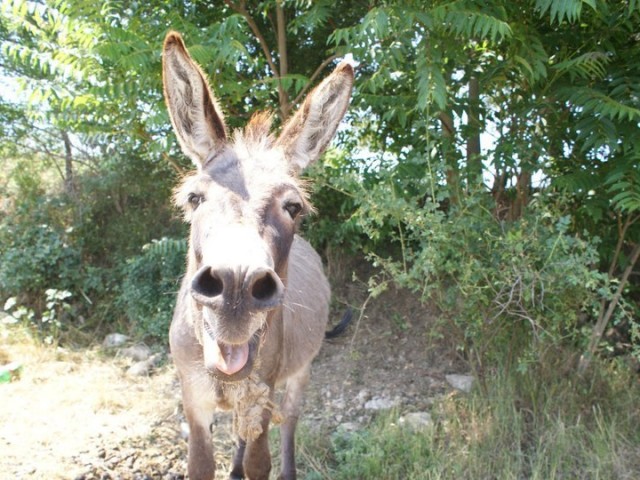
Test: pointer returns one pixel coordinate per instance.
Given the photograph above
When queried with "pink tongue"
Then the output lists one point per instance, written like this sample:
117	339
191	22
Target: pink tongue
232	357
229	359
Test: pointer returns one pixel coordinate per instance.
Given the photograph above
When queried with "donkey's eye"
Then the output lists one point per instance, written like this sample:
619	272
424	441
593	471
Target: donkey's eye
293	208
195	199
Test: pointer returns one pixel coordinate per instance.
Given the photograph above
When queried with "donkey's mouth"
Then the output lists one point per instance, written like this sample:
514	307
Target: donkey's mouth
229	362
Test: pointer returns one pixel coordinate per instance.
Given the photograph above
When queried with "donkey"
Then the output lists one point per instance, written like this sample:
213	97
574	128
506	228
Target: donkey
253	306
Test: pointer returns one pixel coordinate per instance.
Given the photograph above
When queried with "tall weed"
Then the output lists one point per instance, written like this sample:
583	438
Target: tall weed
518	425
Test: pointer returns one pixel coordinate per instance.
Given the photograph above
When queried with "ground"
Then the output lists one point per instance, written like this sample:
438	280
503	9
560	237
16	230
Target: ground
76	414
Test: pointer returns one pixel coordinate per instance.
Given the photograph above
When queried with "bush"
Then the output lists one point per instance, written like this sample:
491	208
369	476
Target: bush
80	243
504	287
38	250
150	283
508	286
36	255
122	208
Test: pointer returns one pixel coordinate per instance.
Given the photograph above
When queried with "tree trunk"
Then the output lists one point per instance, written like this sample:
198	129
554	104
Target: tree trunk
523	190
474	160
450	157
69	182
283	96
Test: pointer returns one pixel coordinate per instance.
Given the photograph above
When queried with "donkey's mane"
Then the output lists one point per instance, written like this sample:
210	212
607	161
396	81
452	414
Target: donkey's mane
258	130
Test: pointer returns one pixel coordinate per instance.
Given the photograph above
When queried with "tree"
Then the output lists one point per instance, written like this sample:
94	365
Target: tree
458	104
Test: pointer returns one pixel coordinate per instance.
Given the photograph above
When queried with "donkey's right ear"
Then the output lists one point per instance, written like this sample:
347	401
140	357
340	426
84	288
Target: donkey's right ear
194	111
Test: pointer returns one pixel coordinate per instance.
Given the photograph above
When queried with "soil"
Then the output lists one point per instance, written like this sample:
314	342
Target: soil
78	415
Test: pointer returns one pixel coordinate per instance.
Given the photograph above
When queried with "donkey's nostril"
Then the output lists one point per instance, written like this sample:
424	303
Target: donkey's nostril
207	283
266	289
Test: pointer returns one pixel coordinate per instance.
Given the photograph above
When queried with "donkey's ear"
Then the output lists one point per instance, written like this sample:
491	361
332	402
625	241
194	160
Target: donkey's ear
310	130
194	111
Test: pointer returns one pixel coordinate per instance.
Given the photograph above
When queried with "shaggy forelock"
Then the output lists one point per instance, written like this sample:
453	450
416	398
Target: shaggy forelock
251	159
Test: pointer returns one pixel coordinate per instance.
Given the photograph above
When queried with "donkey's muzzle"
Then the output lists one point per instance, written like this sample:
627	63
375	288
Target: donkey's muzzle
237	290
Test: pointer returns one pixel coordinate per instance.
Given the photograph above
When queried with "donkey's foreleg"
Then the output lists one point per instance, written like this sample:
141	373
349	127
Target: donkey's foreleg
237	470
291	408
199	413
257	458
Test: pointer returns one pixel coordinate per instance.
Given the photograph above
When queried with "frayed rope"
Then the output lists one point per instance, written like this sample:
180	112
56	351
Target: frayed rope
249	398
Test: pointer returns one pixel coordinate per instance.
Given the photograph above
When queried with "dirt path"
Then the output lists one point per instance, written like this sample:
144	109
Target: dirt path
77	415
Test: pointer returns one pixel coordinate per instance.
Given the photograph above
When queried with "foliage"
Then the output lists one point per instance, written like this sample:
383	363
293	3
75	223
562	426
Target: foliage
48	326
385	451
38	247
454	99
510	287
150	284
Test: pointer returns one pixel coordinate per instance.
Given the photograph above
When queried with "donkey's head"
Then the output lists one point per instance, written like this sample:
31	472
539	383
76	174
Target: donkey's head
243	203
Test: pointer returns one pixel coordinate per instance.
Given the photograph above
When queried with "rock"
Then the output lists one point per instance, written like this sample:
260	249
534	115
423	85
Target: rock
143	368
464	383
362	397
114	340
417	421
137	353
348	427
345	431
381	404
184	430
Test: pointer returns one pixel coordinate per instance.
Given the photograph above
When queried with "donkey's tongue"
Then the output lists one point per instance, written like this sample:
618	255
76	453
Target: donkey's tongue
232	358
229	359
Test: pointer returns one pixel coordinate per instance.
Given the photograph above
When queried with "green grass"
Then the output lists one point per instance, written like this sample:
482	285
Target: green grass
544	424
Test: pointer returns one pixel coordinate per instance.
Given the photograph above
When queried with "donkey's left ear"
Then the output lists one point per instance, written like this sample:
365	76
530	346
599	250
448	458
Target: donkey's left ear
310	130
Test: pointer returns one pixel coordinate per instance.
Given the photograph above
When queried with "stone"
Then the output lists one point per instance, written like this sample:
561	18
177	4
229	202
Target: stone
381	404
184	430
345	431
348	427
362	397
114	340
417	421
464	383
143	368
137	353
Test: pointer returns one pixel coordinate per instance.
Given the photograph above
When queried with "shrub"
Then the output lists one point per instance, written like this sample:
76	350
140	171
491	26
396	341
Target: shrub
48	326
38	250
509	284
504	287
150	284
122	208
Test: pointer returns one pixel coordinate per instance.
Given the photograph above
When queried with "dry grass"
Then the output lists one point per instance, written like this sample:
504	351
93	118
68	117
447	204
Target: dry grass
66	402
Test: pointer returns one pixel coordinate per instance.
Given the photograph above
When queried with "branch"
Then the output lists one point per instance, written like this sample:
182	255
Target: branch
179	170
603	320
447	124
240	8
68	164
622	232
53	155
